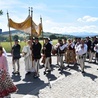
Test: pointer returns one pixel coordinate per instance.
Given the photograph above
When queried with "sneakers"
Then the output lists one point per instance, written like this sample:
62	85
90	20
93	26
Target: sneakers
49	71
68	65
44	72
36	76
16	72
83	71
61	68
28	73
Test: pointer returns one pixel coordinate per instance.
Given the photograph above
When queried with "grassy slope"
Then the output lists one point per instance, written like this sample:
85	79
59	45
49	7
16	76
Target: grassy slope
7	45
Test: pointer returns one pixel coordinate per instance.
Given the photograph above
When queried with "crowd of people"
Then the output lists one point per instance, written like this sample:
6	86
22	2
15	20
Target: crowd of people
67	51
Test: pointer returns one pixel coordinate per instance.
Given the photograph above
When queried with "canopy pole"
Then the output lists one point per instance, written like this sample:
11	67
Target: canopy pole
9	30
29	11
42	30
31	21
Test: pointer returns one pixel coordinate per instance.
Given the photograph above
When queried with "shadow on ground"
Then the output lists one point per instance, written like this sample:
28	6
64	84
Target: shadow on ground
16	77
31	85
92	76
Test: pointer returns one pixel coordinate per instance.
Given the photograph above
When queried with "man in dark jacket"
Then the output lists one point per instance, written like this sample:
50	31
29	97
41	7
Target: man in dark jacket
16	56
88	42
36	51
94	42
47	52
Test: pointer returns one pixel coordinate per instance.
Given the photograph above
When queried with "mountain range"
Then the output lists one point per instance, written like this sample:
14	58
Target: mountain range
83	34
47	34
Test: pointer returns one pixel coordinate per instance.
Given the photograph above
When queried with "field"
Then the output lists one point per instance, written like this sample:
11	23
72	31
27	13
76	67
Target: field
7	45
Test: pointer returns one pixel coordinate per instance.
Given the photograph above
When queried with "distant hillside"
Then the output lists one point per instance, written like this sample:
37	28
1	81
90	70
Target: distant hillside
47	34
22	34
13	32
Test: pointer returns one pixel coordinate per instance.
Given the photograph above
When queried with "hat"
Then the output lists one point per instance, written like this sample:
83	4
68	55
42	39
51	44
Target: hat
69	39
59	39
65	38
28	40
16	40
31	38
96	44
46	38
88	37
36	38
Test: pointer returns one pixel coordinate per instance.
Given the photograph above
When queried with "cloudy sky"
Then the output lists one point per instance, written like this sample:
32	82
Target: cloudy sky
59	16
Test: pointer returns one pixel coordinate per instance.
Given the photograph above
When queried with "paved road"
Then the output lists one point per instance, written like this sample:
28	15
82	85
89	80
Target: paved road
28	85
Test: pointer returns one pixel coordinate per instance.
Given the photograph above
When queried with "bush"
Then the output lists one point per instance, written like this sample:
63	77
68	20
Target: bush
52	36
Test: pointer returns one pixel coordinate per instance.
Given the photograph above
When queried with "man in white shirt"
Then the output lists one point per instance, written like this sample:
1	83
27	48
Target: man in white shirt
78	42
81	50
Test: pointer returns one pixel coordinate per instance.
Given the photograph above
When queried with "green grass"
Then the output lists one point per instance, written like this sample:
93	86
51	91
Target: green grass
7	45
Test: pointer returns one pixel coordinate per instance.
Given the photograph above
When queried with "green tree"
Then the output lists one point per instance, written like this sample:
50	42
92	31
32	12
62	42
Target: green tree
53	36
1	12
15	37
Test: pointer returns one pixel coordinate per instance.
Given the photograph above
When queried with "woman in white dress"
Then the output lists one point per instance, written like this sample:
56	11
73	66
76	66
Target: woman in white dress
27	54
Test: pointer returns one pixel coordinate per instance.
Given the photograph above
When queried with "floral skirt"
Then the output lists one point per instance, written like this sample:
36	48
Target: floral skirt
70	57
6	84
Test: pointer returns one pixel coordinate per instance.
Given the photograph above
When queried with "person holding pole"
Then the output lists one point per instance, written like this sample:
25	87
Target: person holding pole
36	51
47	52
16	56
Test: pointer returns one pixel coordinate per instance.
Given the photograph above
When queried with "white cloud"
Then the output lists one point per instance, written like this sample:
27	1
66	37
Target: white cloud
50	26
54	27
6	4
70	29
87	19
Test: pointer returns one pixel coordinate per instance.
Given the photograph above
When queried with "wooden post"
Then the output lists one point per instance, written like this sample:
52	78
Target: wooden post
31	21
9	30
29	11
42	29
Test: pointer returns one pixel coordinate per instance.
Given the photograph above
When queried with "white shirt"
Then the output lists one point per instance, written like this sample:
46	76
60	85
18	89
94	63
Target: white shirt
63	46
56	46
50	42
72	45
96	49
81	51
77	45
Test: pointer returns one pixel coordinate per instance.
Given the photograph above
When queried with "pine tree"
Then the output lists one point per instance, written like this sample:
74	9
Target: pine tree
1	12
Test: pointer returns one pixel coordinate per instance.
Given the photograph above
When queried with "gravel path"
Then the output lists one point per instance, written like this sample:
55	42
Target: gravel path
77	85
